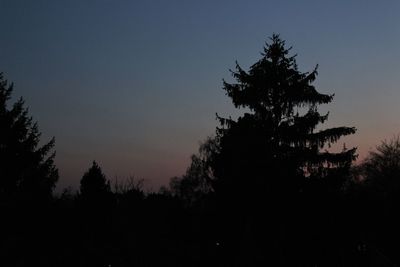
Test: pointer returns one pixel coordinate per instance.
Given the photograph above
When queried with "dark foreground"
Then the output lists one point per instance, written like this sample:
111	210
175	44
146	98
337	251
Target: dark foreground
159	230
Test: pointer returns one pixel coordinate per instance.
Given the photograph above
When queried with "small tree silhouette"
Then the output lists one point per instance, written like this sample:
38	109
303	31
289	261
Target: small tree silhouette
94	183
26	170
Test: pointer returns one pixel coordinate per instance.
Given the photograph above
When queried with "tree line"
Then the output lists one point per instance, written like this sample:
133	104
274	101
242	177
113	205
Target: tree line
264	189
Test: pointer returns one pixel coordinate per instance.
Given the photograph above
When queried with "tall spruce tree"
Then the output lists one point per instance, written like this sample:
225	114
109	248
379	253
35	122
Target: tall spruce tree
27	170
276	146
273	175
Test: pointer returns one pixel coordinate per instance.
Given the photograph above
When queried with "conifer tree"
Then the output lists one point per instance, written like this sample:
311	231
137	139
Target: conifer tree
277	144
27	170
94	183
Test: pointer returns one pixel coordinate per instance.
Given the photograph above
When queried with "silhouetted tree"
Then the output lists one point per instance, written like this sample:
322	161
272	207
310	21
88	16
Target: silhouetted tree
380	170
27	170
96	203
378	197
271	154
275	145
196	183
94	183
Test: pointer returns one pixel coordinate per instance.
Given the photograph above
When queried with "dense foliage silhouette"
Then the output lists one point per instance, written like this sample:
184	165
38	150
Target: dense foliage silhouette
94	183
197	183
27	170
377	194
272	157
380	170
27	178
275	146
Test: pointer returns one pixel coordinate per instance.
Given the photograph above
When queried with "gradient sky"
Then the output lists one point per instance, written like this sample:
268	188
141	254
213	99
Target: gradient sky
135	85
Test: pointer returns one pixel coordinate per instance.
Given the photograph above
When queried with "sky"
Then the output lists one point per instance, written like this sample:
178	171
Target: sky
135	85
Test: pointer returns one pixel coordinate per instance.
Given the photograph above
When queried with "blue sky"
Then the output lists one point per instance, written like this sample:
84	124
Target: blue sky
135	85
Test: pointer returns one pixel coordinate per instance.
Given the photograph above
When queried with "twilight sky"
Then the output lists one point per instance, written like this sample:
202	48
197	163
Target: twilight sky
135	85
